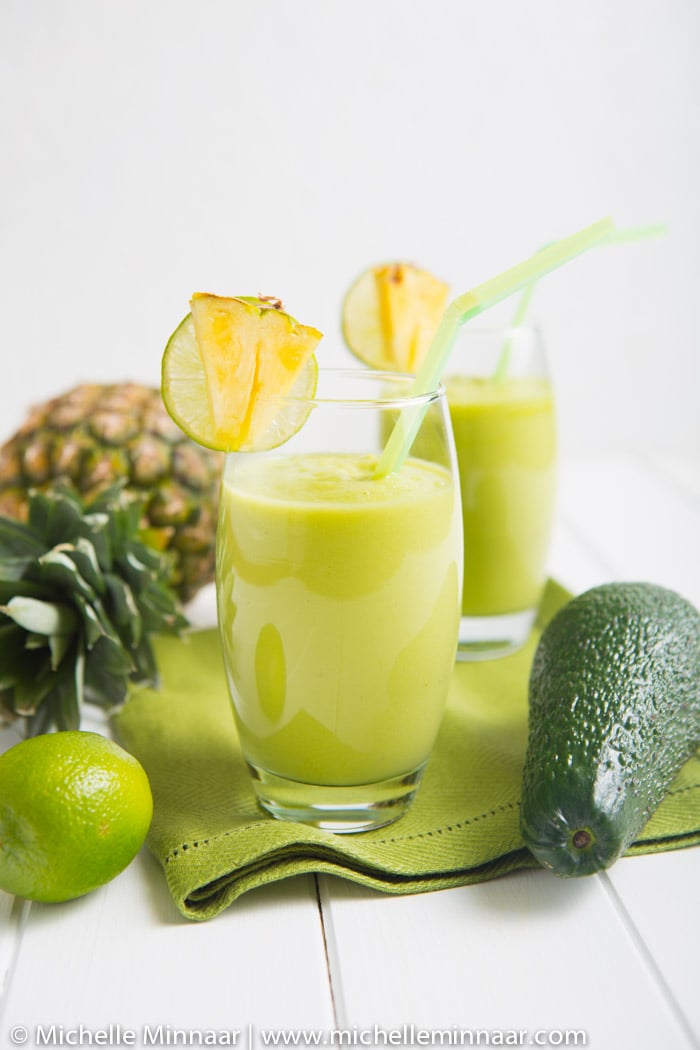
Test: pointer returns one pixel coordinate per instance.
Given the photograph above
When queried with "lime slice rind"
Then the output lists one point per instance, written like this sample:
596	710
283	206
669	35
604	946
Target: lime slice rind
184	391
288	412
183	385
361	325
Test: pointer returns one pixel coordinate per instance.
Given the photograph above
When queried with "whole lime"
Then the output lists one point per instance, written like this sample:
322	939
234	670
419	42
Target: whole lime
74	811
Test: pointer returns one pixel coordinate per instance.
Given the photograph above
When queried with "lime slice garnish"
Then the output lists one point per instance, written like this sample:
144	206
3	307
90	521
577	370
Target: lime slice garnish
361	322
390	314
184	387
258	419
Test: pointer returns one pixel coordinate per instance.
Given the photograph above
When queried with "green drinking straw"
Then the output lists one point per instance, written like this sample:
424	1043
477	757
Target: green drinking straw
623	236
518	318
463	309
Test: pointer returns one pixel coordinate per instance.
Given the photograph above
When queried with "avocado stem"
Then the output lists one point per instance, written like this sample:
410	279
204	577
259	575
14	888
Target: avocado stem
581	838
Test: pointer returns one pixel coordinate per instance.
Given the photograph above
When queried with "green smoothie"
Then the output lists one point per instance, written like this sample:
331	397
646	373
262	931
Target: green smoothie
338	607
506	450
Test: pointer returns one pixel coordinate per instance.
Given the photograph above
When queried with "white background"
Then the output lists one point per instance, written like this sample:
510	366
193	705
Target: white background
151	148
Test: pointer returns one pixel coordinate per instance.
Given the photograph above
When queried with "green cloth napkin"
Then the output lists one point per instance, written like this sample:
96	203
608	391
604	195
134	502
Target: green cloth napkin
214	843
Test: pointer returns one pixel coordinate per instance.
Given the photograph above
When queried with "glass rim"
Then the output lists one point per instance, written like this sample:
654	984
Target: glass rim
391	401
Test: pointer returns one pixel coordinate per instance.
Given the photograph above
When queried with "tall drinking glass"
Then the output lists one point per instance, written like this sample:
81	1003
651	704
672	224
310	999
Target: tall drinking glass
339	602
502	413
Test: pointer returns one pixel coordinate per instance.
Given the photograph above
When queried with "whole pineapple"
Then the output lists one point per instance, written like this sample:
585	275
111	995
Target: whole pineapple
95	435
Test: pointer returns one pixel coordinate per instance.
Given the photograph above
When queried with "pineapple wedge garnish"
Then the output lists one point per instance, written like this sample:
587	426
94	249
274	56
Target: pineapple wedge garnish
227	366
391	313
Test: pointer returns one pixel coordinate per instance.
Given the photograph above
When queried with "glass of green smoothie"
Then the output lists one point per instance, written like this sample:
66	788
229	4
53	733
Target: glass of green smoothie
502	413
339	602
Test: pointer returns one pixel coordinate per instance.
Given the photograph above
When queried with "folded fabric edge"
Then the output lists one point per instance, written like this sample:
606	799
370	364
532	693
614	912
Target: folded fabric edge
207	901
664	843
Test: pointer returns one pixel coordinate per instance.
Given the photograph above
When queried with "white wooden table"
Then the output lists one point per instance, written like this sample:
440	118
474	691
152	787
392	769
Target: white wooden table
519	961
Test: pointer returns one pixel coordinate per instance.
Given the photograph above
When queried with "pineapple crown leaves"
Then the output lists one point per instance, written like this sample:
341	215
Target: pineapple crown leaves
80	595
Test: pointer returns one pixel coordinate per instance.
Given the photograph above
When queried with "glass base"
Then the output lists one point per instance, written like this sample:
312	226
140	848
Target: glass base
343	810
489	637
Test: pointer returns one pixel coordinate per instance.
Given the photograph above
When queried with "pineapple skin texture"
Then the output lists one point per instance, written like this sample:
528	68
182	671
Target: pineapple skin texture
97	434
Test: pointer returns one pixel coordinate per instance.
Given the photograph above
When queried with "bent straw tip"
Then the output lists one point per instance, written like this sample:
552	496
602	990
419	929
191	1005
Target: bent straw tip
636	233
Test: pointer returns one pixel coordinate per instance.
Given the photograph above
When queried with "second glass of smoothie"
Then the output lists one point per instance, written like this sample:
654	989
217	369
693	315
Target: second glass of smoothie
502	412
339	602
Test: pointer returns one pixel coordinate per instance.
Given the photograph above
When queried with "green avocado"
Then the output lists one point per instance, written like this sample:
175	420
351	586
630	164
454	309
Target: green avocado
614	713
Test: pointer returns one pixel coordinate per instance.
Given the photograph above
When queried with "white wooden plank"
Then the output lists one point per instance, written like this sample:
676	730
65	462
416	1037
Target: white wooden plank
659	894
525	952
122	954
573	563
681	471
13	914
642	527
